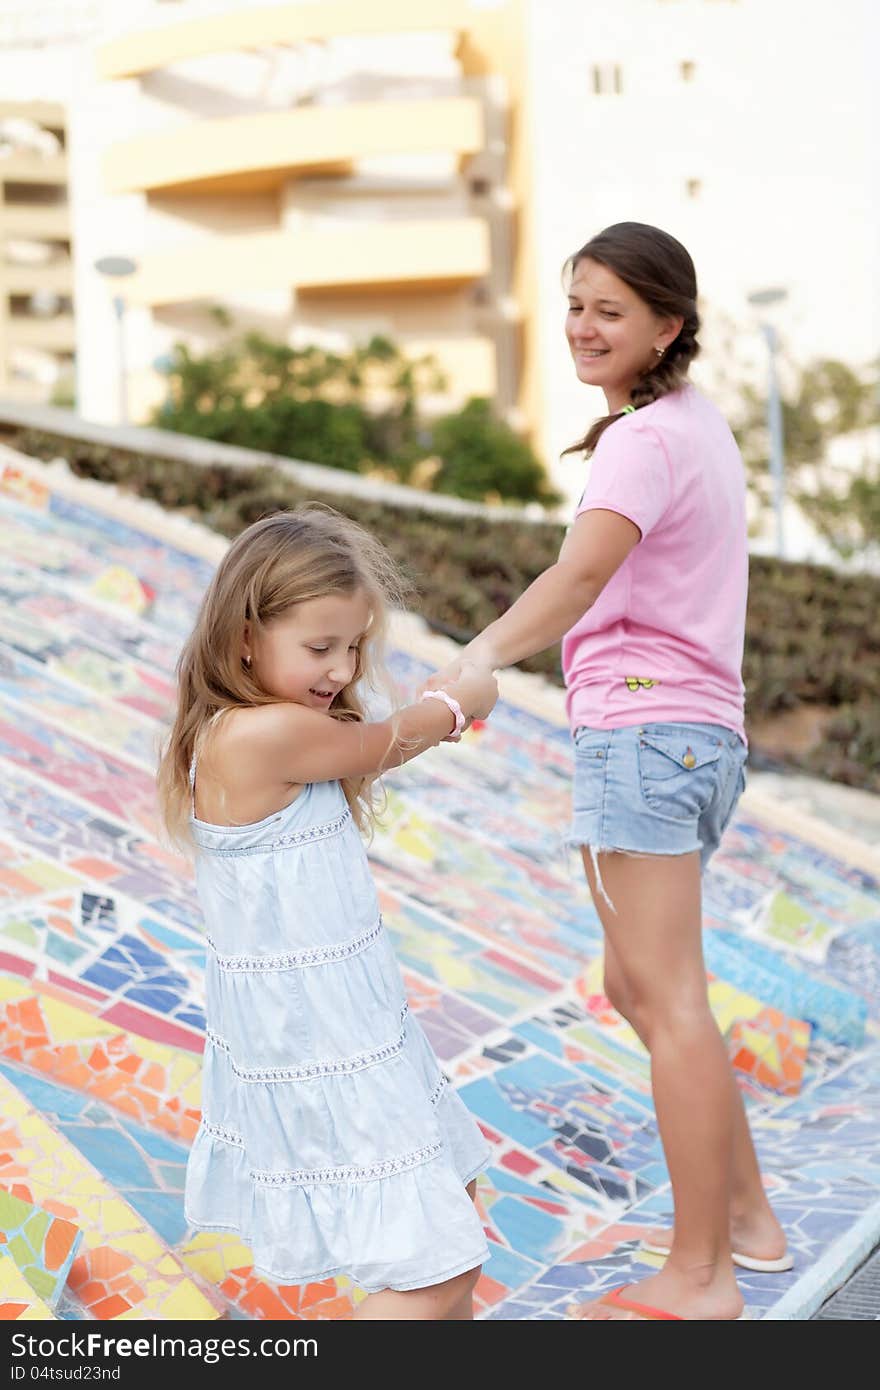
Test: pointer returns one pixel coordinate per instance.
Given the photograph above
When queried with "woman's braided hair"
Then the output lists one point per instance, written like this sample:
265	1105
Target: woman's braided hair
662	273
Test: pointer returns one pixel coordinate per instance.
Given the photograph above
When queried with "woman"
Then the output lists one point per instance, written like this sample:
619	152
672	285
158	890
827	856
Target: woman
649	597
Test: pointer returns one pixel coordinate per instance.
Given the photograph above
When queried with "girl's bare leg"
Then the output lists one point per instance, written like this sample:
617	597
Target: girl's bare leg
451	1301
656	937
754	1229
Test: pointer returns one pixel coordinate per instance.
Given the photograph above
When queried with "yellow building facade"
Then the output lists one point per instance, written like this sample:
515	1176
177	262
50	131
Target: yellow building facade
37	330
325	173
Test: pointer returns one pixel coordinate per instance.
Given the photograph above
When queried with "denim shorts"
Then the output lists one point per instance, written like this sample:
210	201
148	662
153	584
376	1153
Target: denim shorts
656	789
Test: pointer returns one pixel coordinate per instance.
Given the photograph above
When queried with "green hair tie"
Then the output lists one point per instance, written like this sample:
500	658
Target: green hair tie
628	410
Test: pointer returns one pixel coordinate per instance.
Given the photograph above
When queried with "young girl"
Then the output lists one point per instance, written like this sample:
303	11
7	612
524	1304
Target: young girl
330	1141
649	594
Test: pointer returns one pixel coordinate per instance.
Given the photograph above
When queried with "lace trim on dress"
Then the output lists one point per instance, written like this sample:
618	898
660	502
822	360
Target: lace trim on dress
351	1172
294	960
313	832
228	1136
438	1090
311	1070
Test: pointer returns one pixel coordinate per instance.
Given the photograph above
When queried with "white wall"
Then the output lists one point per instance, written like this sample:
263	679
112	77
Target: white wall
778	123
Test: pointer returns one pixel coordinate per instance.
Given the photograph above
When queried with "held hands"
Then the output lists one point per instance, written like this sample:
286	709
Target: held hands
440	679
474	687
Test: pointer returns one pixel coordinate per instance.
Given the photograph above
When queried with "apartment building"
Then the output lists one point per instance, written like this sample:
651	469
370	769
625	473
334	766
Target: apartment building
320	172
39	42
332	169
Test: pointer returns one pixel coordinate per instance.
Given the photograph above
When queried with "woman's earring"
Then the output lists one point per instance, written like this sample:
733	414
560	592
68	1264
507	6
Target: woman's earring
247	661
659	351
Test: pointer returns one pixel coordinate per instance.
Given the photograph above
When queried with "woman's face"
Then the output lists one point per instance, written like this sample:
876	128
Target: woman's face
612	333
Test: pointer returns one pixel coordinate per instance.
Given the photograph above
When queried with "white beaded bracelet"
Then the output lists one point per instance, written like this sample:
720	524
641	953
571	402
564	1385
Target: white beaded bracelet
456	710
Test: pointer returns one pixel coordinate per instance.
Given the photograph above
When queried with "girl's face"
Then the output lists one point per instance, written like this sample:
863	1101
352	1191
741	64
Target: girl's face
310	654
612	333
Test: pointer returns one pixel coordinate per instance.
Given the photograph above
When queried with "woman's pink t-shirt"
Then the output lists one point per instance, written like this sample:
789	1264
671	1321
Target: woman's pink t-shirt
664	639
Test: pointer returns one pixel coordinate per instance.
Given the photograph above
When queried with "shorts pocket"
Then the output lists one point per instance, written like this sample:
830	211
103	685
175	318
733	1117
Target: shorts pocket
590	760
678	770
591	743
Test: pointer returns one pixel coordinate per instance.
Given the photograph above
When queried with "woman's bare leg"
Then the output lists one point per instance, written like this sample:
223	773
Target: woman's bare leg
656	935
754	1229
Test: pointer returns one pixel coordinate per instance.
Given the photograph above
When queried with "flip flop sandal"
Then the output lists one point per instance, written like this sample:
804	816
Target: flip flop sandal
615	1299
777	1266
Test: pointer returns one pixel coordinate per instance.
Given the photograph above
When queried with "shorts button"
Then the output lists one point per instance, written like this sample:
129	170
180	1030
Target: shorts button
689	760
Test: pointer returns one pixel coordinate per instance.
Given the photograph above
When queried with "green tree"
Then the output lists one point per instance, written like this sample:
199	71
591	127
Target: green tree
481	456
303	403
357	411
827	399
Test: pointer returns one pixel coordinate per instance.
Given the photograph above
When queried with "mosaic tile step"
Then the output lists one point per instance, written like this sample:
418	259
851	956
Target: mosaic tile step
222	1261
103	947
103	781
101	963
18	1302
130	737
835	1013
69	840
765	1045
42	1245
772	1049
156	1085
47	622
122	1266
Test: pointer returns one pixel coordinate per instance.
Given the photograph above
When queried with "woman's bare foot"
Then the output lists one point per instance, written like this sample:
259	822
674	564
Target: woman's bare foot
694	1301
759	1238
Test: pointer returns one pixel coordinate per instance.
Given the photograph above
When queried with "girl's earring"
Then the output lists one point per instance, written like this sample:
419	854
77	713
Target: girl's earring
247	661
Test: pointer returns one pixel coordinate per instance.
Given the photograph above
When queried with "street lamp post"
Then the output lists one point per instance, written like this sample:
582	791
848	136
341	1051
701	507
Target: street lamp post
118	268
762	299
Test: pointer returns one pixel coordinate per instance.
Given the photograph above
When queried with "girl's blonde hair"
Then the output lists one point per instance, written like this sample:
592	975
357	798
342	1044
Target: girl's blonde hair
280	561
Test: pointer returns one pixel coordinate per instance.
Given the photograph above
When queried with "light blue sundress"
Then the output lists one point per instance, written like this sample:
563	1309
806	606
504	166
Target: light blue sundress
330	1141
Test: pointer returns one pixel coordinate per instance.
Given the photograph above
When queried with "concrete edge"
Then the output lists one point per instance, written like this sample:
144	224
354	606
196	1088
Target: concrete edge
830	1272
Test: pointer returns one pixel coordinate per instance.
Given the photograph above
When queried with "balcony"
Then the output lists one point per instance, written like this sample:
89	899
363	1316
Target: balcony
319	258
35	221
468	363
254	153
26	166
146	50
56	277
52	335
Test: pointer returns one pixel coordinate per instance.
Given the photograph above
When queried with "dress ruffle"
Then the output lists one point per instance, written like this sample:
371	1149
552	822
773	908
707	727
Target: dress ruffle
390	1210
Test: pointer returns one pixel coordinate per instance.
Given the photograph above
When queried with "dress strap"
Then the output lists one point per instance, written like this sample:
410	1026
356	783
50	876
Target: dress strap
192	784
195	757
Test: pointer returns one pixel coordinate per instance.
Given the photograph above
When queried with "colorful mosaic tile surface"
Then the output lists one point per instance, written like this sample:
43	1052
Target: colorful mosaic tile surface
101	973
41	1244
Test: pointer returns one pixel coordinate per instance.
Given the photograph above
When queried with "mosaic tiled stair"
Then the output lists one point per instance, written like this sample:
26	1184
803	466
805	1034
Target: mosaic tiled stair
772	1049
42	1244
18	1302
122	1268
838	1014
156	1084
764	1044
101	963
